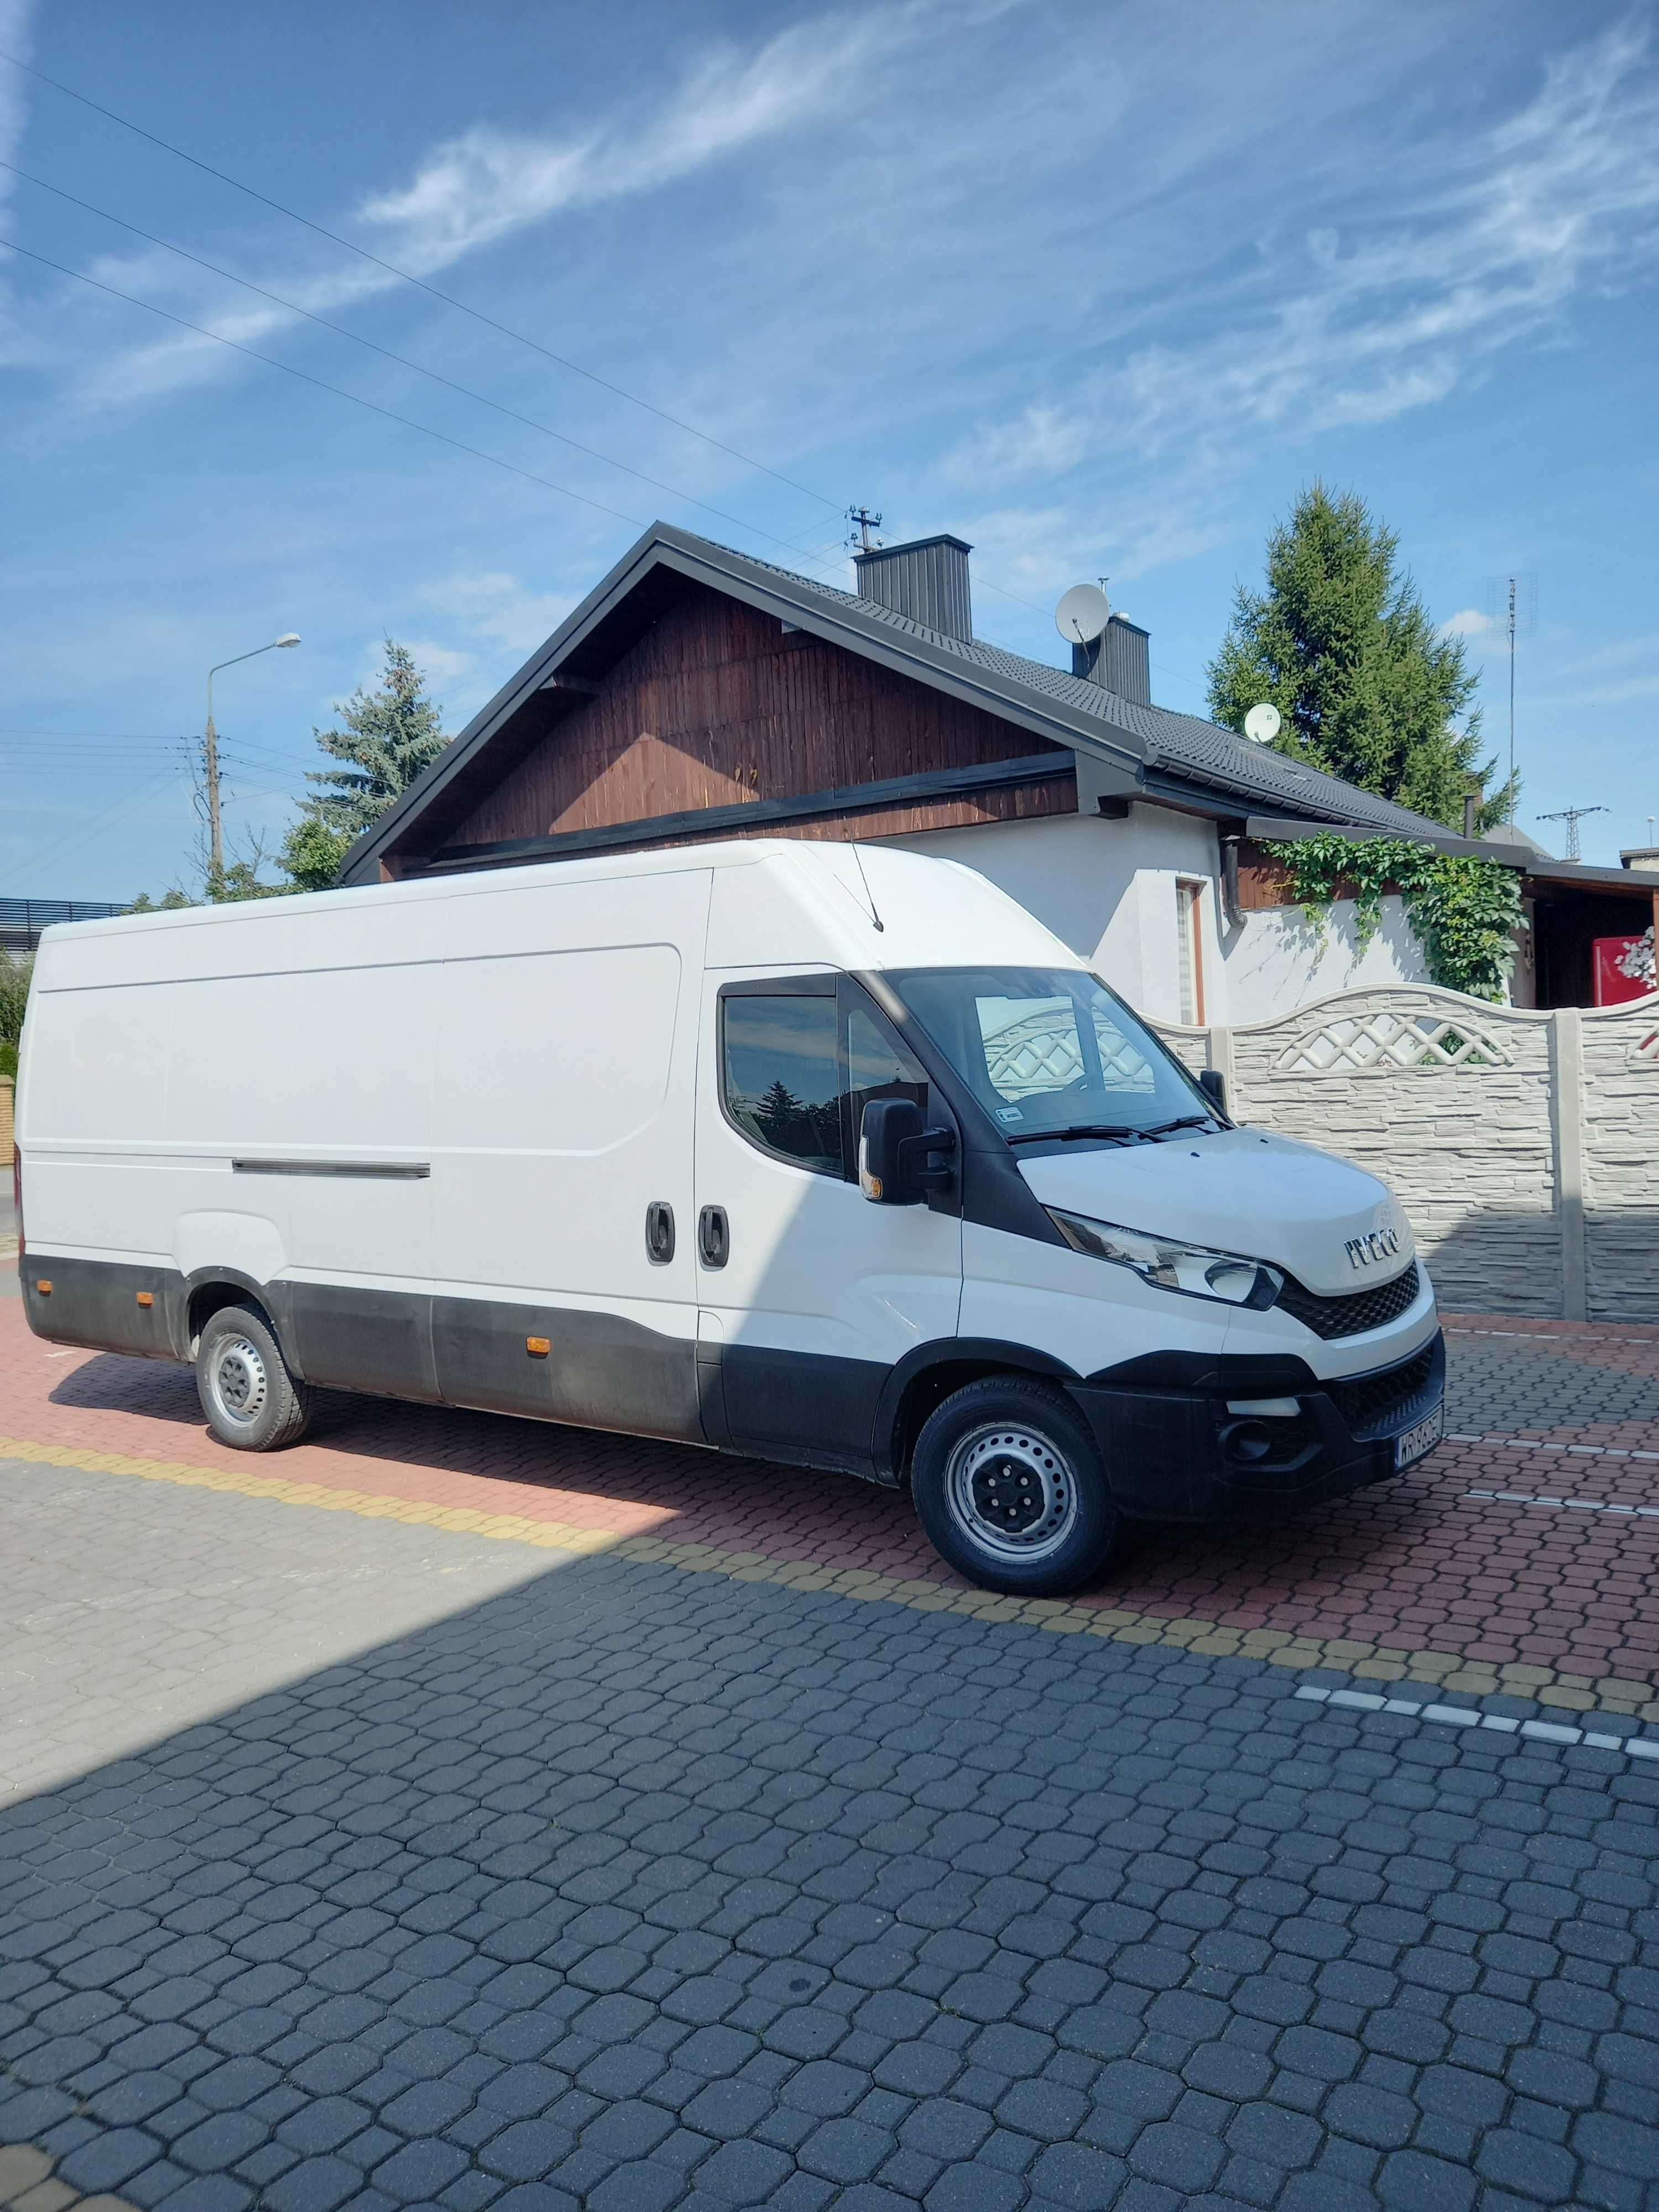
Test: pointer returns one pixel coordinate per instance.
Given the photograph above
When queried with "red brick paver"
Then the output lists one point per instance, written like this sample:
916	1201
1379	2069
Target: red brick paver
1415	1565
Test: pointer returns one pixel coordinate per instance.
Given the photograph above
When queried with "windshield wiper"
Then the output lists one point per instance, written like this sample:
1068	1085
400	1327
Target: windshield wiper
1123	1131
1120	1130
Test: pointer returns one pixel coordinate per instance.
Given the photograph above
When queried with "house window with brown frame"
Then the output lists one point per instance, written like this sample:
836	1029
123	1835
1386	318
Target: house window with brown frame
1189	947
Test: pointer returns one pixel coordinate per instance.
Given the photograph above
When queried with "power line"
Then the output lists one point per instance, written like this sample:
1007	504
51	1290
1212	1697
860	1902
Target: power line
121	807
322	384
404	275
322	322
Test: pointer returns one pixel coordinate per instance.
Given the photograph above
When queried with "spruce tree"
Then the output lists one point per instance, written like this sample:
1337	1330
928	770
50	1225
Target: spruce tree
1342	644
388	737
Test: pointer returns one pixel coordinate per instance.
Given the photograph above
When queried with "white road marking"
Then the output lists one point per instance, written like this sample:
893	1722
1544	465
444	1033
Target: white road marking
1635	1746
1536	1444
1563	1505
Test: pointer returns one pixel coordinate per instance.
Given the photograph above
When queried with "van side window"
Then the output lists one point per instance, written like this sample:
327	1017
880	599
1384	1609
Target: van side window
781	1072
877	1066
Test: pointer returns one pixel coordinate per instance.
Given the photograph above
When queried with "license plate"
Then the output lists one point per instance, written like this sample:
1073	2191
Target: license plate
1418	1443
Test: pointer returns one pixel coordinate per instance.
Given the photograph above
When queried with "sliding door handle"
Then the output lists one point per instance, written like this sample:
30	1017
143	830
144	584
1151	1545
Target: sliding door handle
714	1236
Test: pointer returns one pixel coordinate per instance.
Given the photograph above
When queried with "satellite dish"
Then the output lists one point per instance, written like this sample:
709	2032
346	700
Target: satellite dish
1262	723
1082	614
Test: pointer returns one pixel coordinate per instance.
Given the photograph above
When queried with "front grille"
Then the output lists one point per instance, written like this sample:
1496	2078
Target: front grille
1351	1315
1372	1403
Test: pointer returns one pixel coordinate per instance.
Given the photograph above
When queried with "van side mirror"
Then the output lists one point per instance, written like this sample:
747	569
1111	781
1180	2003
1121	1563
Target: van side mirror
898	1157
1213	1083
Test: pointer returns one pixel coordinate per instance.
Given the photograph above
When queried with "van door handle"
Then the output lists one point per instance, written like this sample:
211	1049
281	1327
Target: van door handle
714	1236
660	1232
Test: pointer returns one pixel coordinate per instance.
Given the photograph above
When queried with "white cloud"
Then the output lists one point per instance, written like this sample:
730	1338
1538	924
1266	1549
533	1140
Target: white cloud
500	609
1360	324
1603	694
488	183
1468	621
483	186
441	664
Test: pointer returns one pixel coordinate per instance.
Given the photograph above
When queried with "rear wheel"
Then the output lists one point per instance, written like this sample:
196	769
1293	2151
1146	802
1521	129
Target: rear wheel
1010	1488
251	1400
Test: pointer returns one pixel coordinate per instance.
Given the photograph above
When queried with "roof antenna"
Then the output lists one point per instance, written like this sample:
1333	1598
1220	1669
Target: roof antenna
868	893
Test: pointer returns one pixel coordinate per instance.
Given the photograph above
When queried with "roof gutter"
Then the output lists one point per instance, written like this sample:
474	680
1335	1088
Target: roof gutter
1280	829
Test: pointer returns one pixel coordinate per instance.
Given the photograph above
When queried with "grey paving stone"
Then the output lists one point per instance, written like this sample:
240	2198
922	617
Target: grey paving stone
608	1887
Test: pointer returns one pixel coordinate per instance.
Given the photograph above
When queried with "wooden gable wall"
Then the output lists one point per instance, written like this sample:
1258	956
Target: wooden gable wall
716	705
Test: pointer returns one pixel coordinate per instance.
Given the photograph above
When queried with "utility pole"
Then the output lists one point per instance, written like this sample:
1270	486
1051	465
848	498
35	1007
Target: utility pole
210	759
864	522
1572	815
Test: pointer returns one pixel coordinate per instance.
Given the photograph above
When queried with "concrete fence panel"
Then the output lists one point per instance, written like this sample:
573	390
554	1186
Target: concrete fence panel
1522	1144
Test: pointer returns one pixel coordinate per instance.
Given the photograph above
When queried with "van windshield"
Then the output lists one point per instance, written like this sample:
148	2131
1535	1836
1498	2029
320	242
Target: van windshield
1050	1052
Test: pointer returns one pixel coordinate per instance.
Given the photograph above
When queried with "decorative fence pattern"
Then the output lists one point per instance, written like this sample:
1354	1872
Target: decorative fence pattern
1523	1145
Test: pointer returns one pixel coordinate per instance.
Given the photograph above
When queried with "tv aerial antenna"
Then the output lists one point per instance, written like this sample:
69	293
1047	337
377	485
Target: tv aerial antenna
1512	612
1572	815
1083	614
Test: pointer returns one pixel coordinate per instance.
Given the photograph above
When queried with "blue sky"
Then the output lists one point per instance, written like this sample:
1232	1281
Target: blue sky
1096	287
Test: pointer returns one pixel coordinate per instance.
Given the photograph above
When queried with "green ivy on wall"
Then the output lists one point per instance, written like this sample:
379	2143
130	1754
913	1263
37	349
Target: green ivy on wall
1463	913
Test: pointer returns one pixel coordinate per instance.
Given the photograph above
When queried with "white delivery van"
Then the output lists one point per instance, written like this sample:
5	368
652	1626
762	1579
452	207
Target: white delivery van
809	1152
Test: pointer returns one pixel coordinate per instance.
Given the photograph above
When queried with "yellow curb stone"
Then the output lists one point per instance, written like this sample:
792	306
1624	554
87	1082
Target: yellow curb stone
1278	1647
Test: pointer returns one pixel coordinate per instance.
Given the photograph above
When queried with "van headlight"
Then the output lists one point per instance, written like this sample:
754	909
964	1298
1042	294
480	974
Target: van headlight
1194	1269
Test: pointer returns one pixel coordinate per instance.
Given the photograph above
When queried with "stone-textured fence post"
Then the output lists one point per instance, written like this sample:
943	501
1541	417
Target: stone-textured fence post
1567	1129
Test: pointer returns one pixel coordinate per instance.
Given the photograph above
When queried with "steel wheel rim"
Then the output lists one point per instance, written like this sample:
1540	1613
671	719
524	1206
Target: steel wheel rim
1012	1491
238	1381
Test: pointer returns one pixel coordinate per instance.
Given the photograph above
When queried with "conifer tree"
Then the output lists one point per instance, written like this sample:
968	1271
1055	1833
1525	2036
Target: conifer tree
388	737
1341	643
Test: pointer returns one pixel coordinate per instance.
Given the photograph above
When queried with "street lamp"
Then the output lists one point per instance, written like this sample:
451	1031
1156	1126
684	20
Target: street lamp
210	753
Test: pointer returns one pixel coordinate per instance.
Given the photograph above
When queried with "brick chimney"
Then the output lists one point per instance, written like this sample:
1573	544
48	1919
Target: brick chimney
925	579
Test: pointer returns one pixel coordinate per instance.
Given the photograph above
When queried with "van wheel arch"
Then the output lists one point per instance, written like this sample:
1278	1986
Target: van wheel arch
208	1293
928	1377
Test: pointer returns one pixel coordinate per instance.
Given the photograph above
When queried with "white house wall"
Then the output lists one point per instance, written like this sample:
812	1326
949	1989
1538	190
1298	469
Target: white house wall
1276	960
1107	888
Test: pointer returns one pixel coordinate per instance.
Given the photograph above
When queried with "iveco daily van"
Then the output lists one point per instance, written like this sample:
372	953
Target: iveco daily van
813	1152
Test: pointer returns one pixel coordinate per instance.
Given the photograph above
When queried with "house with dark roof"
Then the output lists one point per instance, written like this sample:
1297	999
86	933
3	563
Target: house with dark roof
697	692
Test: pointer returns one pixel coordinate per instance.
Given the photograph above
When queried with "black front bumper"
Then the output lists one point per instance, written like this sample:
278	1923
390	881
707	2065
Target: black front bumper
1173	1452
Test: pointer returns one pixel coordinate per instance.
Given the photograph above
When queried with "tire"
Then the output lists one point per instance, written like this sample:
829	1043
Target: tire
251	1402
1020	1450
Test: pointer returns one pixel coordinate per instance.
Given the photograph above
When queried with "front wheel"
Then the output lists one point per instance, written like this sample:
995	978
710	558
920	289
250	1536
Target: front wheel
1010	1488
250	1398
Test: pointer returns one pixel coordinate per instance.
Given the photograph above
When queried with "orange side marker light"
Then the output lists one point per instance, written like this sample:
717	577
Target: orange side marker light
146	1297
44	1287
538	1347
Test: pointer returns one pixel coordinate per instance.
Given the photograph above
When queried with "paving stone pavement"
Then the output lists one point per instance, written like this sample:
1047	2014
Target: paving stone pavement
1446	1575
407	1867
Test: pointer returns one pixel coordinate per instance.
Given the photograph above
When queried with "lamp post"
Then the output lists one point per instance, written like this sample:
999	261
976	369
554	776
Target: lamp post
210	755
